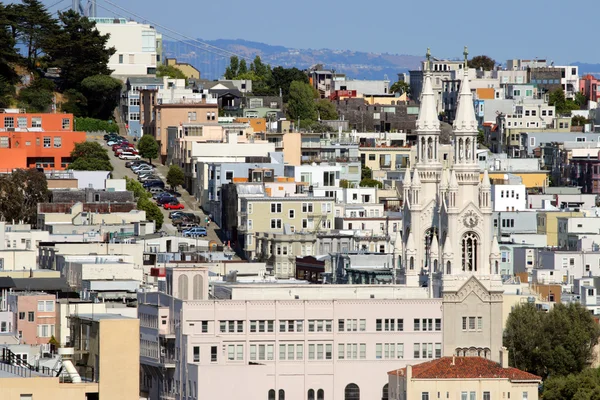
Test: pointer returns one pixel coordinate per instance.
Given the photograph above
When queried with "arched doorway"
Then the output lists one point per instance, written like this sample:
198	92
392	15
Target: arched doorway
352	392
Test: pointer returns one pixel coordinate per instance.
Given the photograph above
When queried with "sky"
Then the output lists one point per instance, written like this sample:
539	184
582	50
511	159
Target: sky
502	29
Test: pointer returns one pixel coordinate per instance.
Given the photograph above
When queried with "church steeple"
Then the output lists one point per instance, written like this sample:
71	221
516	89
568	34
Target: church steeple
465	124
428	123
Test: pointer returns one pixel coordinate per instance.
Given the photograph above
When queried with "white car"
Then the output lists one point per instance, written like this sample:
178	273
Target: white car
113	142
128	156
137	167
146	169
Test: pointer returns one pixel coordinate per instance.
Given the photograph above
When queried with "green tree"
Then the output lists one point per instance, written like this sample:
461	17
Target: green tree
170	71
78	49
232	69
370	183
366	173
8	52
326	110
243	69
482	62
136	187
36	25
563	106
95	125
480	136
148	147
301	104
281	79
38	96
90	156
581	100
153	212
259	68
175	176
578	120
7	91
400	87
76	103
20	193
585	385
566	347
102	95
344	183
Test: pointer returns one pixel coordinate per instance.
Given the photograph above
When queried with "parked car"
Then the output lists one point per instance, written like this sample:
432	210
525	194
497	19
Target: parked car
148	177
143	169
128	156
136	168
130	164
174	205
165	200
193	232
138	164
176	214
186	225
109	136
154	189
159	195
154	184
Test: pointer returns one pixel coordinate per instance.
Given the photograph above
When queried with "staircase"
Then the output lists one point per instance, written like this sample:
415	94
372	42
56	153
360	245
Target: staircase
10	358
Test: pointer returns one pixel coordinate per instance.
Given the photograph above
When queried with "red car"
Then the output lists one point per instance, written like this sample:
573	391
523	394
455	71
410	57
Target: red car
120	145
174	205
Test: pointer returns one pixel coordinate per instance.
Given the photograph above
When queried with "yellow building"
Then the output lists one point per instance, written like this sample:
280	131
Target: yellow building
547	224
290	143
385	99
462	378
103	364
381	159
531	179
189	70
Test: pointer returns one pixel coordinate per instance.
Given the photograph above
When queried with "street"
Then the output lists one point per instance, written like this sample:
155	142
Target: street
121	171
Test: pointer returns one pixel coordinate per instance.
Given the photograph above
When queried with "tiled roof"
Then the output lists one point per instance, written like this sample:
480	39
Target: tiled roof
465	368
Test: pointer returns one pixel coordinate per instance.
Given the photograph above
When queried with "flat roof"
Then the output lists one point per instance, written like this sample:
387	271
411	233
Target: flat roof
98	317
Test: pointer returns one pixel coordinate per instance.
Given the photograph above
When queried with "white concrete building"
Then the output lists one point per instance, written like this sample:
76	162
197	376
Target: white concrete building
136	46
509	197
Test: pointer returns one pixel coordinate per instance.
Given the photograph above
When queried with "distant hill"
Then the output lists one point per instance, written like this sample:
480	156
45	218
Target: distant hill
355	64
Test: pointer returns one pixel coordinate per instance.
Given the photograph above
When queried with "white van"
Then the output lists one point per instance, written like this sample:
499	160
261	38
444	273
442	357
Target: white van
126	155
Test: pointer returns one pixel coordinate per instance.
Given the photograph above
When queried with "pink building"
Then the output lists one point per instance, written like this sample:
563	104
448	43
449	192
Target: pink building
588	85
35	316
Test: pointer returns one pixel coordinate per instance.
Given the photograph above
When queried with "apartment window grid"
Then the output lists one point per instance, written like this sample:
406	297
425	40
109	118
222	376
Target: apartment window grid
352	325
22	122
66	123
262	326
320	351
47	141
426	350
291	351
9	122
57	142
290	325
472	323
4	142
235	352
276	223
307	207
231	326
352	351
45	330
36	122
276	208
389	351
320	325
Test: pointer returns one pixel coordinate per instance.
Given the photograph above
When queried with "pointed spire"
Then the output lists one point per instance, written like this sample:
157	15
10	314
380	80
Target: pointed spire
448	251
406	181
416	182
495	248
428	117
465	120
434	248
444	182
453	180
410	243
485	182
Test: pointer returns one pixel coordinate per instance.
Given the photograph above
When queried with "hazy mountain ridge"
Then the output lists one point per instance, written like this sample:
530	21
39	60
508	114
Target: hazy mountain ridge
356	64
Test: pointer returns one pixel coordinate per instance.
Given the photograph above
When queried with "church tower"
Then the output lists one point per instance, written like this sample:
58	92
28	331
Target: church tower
421	211
471	288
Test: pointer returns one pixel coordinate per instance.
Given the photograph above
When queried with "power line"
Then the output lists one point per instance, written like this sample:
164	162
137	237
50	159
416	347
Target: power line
168	36
55	4
177	33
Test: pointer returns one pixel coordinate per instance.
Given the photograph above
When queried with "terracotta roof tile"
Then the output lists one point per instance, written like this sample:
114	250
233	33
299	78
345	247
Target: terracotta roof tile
465	368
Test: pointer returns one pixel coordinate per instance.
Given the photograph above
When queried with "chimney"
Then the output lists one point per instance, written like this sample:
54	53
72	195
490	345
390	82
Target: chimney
504	357
453	360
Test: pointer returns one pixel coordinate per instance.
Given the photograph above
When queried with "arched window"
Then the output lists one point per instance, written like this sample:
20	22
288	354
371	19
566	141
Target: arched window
311	394
496	267
281	394
182	287
435	265
384	392
429	234
352	392
320	394
469	252
448	268
198	287
271	394
412	263
429	148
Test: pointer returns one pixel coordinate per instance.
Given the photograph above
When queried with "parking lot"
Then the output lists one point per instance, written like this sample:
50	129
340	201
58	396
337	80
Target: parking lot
121	171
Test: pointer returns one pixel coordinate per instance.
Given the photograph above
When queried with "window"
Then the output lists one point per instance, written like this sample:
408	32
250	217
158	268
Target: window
120	58
21	315
292	214
36	122
425	396
417	324
229	175
307	207
486	396
416	350
134	116
47	141
31	316
471	323
525	395
275	223
204	326
66	123
371	157
352	392
275	208
191	115
438	324
213	353
9	122
57	141
196	353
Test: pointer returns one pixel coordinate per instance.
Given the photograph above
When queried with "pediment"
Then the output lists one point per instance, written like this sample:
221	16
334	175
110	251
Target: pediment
473	285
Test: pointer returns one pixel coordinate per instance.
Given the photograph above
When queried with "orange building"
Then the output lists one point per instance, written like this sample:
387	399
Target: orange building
36	140
258	124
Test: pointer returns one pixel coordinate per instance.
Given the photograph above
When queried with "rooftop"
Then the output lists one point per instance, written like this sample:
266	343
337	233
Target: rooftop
465	368
98	317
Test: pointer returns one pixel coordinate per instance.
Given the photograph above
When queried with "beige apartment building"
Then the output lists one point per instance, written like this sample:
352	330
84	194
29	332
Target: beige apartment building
157	116
104	356
289	143
461	378
279	214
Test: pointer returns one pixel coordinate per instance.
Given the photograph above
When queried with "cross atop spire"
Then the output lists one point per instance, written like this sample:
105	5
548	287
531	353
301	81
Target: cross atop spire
428	56
466	54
